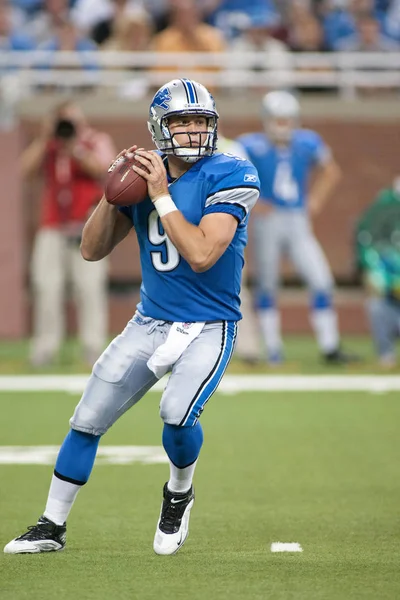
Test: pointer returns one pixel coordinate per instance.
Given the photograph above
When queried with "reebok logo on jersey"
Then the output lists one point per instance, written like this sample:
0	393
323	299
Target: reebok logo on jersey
250	177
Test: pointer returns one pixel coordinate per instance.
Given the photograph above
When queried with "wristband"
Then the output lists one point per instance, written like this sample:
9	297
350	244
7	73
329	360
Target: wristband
164	205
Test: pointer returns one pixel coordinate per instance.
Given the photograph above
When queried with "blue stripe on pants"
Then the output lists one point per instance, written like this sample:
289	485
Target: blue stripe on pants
211	383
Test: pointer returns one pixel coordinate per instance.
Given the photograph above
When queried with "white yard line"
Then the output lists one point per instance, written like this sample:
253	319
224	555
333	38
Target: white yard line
230	384
106	455
286	547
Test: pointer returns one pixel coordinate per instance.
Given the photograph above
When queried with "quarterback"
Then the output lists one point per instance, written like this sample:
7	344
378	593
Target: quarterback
192	230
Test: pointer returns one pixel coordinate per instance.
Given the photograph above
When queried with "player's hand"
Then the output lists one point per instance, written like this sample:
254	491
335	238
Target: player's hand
156	175
125	152
314	206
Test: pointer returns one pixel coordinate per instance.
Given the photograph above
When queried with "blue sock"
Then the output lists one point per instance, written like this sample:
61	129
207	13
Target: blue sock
321	300
182	444
76	457
264	301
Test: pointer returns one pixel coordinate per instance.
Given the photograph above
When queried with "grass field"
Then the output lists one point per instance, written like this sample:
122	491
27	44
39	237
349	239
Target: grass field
320	469
300	351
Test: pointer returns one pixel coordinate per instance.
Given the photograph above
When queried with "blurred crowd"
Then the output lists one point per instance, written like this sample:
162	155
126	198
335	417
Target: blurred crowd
202	25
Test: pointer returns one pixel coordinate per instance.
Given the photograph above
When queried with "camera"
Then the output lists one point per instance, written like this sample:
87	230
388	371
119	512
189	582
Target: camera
64	129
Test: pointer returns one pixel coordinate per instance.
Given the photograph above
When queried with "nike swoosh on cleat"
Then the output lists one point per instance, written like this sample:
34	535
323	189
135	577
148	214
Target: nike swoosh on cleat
173	501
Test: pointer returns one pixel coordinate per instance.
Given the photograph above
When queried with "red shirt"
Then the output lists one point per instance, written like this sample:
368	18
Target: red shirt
70	192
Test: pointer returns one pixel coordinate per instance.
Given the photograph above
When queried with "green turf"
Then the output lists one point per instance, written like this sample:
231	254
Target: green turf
301	357
320	470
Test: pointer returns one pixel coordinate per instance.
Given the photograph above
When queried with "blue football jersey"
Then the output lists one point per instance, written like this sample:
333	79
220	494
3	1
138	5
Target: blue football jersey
284	171
170	289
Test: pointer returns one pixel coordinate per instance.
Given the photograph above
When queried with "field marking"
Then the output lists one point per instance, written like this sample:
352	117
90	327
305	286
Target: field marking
106	455
230	384
286	547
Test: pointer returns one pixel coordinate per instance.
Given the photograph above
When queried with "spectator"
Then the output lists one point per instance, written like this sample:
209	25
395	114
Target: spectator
130	30
11	38
186	32
305	32
158	9
230	16
27	6
378	256
391	23
340	23
67	38
257	37
306	35
43	27
87	14
367	38
130	33
72	158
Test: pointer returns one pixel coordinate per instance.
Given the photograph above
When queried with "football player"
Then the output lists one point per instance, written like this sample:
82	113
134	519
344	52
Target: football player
192	232
248	346
285	157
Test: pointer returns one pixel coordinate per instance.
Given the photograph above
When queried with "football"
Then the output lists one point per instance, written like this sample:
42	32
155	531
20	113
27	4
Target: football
123	186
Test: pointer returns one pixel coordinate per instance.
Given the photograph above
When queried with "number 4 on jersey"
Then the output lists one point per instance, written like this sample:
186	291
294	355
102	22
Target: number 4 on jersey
285	186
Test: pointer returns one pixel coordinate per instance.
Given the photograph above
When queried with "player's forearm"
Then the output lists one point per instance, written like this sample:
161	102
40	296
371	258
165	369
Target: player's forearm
99	236
189	240
324	186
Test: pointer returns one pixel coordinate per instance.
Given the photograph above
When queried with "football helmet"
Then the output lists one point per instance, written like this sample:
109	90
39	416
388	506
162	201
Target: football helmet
281	114
182	97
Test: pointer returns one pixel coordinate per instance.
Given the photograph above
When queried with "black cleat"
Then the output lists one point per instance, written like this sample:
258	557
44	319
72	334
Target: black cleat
339	357
45	536
173	524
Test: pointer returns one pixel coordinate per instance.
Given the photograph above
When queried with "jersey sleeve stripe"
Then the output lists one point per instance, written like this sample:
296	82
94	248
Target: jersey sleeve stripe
234	187
243	197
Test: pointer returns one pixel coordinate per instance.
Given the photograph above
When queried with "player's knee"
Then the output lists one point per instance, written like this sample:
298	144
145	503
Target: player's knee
321	300
182	444
170	413
86	420
95	412
265	300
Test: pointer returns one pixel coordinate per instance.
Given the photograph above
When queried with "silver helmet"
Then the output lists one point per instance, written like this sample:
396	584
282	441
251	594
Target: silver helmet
182	97
281	114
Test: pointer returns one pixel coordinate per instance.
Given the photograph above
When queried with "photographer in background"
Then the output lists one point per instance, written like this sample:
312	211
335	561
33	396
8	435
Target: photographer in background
378	256
72	158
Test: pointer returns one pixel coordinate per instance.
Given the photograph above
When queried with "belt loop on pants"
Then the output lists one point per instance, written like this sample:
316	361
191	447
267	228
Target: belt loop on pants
152	326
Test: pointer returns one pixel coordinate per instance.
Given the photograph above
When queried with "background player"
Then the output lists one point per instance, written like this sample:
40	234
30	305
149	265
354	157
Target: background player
192	232
248	347
285	157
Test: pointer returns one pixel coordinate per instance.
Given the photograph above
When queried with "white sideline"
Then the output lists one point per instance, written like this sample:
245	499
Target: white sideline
230	384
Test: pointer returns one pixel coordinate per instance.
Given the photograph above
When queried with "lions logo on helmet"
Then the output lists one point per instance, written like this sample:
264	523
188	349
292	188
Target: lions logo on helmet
162	98
182	97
